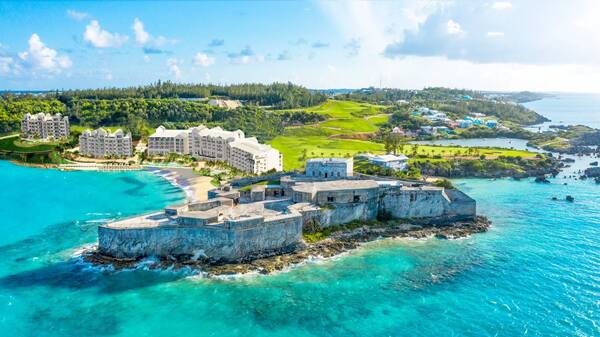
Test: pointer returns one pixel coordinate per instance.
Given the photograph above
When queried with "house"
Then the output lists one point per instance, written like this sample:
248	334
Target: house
464	123
491	123
394	162
429	130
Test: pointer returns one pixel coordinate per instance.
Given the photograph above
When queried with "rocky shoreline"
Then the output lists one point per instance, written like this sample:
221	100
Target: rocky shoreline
336	244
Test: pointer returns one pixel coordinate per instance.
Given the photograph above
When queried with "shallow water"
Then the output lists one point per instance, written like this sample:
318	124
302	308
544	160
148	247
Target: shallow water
536	272
505	143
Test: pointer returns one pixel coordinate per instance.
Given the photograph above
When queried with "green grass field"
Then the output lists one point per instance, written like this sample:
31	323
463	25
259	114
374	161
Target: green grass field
15	144
346	118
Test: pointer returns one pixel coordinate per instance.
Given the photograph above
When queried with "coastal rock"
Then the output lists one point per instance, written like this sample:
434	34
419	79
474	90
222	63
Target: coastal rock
336	244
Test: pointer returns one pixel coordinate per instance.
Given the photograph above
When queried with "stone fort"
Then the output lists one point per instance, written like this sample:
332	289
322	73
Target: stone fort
237	224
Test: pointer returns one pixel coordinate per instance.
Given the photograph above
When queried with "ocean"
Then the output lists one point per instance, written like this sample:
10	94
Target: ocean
536	272
568	109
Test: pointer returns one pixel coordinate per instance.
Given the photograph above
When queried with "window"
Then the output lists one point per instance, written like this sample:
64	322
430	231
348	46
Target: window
330	199
357	198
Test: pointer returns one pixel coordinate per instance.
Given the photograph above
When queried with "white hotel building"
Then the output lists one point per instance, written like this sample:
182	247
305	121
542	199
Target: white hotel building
232	147
101	143
44	126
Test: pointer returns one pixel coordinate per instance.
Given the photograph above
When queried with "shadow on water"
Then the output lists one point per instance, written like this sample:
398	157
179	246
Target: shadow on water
75	275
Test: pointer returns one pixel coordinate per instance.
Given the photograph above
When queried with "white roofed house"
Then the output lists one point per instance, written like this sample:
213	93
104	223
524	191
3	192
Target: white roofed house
394	162
101	143
165	141
248	155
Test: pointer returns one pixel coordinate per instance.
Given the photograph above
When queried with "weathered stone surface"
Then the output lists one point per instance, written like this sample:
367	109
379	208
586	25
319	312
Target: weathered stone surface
276	260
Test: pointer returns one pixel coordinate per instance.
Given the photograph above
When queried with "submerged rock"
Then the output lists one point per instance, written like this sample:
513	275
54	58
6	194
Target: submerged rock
569	198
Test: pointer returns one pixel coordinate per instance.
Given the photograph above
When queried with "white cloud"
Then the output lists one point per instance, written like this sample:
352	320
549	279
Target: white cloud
245	56
7	65
173	66
38	56
501	5
453	27
141	36
203	59
495	34
76	15
100	38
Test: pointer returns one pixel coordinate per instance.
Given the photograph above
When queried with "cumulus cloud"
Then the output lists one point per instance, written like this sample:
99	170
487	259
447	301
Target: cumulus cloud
174	69
301	41
216	43
483	35
76	15
100	38
453	27
141	36
501	5
144	38
7	65
203	59
39	56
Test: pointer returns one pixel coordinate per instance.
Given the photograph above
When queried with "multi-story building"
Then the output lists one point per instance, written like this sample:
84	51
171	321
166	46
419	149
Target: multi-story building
248	155
165	141
212	144
329	167
44	126
101	143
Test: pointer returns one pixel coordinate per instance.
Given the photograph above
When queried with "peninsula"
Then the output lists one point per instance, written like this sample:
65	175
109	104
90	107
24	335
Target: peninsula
241	224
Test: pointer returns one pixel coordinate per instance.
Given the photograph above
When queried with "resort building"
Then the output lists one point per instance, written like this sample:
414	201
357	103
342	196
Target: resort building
329	167
394	162
225	103
101	143
212	144
248	155
165	141
245	154
44	126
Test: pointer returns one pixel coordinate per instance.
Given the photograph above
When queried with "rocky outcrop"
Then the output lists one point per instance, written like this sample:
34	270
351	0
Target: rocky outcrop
336	244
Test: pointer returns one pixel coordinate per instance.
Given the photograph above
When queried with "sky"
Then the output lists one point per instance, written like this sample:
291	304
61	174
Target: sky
512	45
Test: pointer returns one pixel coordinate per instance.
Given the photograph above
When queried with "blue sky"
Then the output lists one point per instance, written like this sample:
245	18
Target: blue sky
493	45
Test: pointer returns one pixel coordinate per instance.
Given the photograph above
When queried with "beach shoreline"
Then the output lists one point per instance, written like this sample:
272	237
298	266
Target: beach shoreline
194	186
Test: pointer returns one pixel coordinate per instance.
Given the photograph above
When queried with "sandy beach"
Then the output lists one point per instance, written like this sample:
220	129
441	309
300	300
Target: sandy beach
196	187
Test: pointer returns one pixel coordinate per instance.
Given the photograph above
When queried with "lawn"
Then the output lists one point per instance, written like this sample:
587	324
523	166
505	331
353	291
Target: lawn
15	144
346	118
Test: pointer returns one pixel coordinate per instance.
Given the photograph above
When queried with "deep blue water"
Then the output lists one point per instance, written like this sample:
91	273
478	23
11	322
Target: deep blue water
536	272
569	109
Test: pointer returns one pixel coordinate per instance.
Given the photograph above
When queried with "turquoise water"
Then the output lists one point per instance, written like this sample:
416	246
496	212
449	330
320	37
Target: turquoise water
536	272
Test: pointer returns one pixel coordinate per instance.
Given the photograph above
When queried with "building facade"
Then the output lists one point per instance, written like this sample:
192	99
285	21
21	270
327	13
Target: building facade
232	147
249	155
394	162
165	141
212	144
44	126
329	167
101	143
